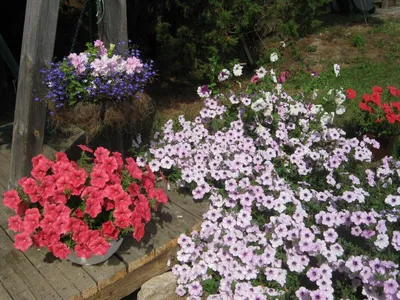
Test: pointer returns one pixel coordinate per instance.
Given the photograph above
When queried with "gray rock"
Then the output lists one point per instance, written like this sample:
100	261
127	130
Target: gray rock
161	287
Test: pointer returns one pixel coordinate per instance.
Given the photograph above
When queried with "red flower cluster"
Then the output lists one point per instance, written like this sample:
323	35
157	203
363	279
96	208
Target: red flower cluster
66	205
373	104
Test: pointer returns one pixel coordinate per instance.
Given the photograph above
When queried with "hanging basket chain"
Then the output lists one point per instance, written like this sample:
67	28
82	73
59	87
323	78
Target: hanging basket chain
100	11
78	26
90	23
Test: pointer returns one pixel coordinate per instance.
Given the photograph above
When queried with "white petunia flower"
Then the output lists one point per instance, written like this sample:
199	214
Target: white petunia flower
274	57
224	75
261	72
258	105
203	91
340	110
336	68
237	70
283	44
327	119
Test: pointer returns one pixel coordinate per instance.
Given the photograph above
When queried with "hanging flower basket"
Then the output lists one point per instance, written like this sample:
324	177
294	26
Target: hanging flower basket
97	88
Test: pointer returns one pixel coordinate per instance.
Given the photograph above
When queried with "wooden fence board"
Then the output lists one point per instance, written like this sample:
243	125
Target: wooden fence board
18	275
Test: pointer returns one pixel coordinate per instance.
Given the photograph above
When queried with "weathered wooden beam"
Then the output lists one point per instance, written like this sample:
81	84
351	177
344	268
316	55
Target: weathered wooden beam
29	118
113	29
112	25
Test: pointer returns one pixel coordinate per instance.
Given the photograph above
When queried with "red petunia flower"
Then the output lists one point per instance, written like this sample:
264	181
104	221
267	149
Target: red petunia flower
365	107
377	89
351	94
22	241
85	148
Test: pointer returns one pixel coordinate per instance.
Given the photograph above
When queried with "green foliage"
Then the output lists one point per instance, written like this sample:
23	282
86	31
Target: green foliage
197	37
358	41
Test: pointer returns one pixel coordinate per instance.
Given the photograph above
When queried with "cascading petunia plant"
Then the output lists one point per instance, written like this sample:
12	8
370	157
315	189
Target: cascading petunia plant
297	210
68	206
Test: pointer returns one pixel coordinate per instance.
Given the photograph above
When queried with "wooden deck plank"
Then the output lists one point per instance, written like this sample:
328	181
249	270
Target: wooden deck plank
107	272
186	202
71	281
4	170
18	275
135	254
153	264
176	218
150	256
46	264
5	212
4	295
79	277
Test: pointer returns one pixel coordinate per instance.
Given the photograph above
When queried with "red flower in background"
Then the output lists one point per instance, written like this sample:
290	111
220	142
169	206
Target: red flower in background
365	107
351	94
383	116
377	89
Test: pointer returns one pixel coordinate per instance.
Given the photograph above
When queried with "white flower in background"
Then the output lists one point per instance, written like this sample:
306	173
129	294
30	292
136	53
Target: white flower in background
283	44
268	110
203	91
316	108
327	119
261	72
340	110
224	75
340	97
279	88
273	76
314	94
336	68
268	97
260	129
258	105
273	57
237	70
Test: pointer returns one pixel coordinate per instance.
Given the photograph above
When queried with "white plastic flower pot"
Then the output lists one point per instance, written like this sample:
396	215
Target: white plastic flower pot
95	259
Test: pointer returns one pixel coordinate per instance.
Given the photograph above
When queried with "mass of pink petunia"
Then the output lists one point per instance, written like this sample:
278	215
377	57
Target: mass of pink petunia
297	209
82	206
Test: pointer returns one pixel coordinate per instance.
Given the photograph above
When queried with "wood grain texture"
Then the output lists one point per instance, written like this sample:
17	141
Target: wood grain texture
79	277
5	212
113	26
186	202
107	272
154	264
4	295
19	277
29	118
113	29
4	170
46	265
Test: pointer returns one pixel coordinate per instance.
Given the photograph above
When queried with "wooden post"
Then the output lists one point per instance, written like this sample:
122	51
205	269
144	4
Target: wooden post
29	118
113	29
385	3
